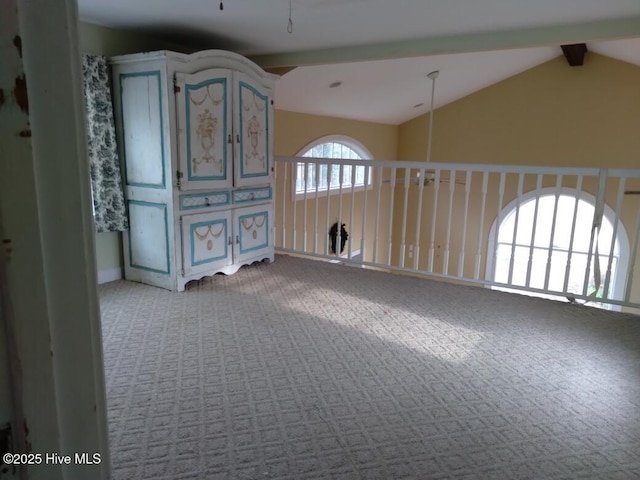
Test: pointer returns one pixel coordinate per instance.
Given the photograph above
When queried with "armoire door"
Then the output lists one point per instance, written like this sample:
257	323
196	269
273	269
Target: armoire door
253	231
253	118
205	136
206	242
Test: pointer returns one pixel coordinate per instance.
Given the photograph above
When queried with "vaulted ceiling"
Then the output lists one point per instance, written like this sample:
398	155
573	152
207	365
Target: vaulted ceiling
381	50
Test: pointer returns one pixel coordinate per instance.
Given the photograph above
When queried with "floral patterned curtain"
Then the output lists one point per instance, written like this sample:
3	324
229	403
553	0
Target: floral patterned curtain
106	185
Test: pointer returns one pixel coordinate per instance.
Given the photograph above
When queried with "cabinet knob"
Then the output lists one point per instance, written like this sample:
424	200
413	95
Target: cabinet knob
237	138
237	239
206	201
229	140
230	240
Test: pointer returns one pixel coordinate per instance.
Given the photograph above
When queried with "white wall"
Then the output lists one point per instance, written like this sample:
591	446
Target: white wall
49	300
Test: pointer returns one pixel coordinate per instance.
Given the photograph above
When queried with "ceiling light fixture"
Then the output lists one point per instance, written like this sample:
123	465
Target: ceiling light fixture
432	76
335	84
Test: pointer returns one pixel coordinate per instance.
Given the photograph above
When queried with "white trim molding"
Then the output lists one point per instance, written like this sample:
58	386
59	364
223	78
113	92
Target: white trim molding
51	276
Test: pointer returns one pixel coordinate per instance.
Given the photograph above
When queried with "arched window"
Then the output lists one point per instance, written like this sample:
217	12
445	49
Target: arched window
318	178
554	257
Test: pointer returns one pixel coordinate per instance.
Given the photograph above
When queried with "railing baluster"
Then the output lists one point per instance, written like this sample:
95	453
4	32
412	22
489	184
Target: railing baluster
498	222
476	268
452	186
407	177
533	230
317	201
364	215
284	203
353	186
553	232
339	236
432	241
463	241
376	221
326	219
391	201
277	192
416	250
306	187
515	229
567	272
295	204
632	261
614	236
600	193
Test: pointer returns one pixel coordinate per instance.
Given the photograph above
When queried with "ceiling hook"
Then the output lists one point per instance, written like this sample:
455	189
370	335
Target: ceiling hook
290	24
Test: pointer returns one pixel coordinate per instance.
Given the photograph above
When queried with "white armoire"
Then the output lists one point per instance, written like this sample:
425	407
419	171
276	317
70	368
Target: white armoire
196	141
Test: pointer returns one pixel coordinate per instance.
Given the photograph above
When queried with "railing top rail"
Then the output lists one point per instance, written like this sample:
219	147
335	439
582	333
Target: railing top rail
474	167
620	172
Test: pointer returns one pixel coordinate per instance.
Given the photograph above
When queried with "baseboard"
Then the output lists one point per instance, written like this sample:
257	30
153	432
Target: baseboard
105	276
354	255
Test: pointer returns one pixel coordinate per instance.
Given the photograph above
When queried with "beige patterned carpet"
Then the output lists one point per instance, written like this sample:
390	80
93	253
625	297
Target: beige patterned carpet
308	370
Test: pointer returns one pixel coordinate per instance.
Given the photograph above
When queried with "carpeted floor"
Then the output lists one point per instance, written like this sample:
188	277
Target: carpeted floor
307	370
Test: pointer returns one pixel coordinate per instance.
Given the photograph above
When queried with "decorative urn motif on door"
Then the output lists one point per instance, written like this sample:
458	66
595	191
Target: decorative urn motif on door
253	132
207	126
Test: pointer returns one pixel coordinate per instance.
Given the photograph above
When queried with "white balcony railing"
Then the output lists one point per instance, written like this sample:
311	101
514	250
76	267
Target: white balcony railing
566	232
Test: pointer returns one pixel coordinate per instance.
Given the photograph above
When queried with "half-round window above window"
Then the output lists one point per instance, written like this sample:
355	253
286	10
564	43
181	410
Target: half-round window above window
544	242
317	177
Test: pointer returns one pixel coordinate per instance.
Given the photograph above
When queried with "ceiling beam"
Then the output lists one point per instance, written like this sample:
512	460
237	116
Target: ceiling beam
501	40
574	53
279	70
